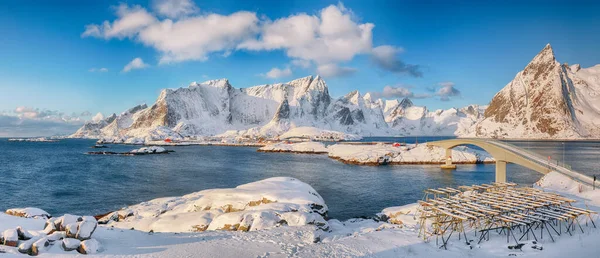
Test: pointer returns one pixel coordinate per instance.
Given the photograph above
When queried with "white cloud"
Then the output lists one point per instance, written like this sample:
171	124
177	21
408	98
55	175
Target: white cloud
129	22
195	37
447	90
301	63
278	73
174	8
189	38
100	70
386	58
27	121
136	63
329	38
400	91
333	70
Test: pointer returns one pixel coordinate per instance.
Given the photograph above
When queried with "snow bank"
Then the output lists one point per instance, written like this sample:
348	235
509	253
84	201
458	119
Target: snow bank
303	147
317	134
149	150
28	212
259	205
409	154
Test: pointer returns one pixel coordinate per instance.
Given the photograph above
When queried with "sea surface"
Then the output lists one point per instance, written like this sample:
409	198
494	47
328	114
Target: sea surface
60	178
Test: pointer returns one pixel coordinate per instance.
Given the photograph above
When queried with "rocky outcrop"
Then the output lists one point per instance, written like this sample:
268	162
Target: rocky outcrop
72	232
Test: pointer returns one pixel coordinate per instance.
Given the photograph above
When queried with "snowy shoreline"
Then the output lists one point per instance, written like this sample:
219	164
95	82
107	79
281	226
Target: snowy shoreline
393	234
383	154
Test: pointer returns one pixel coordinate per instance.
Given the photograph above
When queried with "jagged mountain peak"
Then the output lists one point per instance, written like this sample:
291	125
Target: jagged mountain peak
219	83
406	103
546	55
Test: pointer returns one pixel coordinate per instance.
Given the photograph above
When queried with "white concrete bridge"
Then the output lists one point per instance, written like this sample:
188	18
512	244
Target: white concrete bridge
504	153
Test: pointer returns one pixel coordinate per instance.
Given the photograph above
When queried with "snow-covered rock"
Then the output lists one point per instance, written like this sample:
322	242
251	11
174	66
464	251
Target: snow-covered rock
28	212
409	154
40	246
25	246
10	236
149	150
85	229
302	147
90	246
254	206
70	244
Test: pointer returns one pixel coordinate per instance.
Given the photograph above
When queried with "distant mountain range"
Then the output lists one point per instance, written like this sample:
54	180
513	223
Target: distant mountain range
546	100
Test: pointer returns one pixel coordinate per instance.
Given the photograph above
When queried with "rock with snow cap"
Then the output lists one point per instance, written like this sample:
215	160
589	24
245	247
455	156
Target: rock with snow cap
11	237
70	244
90	246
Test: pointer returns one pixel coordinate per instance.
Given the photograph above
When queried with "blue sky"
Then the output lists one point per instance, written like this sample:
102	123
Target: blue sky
50	60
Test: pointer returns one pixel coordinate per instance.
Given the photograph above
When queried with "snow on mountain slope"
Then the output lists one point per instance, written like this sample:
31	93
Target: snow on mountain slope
216	108
546	100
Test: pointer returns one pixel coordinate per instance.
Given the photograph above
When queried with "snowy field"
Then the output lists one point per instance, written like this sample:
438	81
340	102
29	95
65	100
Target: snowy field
351	238
381	153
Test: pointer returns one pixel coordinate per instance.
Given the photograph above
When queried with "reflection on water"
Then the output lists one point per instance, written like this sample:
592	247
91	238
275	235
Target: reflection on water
58	177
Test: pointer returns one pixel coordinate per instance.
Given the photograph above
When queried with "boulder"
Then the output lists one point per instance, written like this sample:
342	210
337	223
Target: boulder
23	234
70	244
28	212
11	237
57	235
86	229
50	228
66	220
25	246
113	216
40	246
90	246
71	229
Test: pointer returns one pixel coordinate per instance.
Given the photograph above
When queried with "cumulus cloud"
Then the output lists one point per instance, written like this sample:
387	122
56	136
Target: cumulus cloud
399	91
129	22
447	90
100	70
174	8
386	58
189	38
136	63
27	121
333	70
326	40
278	73
301	63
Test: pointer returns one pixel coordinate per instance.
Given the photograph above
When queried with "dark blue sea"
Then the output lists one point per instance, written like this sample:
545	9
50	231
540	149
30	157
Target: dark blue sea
60	178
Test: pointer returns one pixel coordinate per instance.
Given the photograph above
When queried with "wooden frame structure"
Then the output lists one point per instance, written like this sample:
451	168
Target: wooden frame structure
497	207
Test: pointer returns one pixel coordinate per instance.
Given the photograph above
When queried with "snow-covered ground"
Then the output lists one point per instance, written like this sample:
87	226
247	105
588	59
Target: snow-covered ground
351	238
317	134
409	154
273	202
382	153
302	147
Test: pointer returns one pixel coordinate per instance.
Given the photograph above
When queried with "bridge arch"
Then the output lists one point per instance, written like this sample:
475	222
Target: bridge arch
500	153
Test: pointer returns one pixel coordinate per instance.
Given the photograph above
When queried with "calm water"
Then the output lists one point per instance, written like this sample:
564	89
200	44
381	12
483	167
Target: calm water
60	178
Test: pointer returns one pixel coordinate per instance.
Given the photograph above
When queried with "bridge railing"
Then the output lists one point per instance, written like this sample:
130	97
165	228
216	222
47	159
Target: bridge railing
541	159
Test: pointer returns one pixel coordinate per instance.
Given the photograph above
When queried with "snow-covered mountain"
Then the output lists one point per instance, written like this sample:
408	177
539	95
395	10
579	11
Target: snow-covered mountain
546	100
217	108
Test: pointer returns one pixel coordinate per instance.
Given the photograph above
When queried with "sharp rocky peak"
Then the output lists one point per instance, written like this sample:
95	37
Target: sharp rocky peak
544	56
406	103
